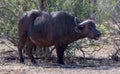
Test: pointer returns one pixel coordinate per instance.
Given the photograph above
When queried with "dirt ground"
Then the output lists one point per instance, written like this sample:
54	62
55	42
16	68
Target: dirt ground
98	63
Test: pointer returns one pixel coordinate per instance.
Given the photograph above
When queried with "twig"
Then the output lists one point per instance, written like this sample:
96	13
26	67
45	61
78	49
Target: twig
9	10
80	48
97	49
4	52
8	46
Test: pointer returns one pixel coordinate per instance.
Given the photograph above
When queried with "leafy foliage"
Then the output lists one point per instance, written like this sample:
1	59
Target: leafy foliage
10	12
103	10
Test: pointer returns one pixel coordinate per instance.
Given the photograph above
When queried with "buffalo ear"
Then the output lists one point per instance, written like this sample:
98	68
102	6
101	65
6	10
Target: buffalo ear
78	29
76	21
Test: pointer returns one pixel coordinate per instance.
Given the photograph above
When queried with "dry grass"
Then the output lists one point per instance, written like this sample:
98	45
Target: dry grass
97	63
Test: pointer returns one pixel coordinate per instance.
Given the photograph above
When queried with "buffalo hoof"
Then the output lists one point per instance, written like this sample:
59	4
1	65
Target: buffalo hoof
34	62
116	58
61	63
21	61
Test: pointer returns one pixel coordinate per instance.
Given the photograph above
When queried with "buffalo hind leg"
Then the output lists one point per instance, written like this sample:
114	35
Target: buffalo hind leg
30	46
20	47
60	53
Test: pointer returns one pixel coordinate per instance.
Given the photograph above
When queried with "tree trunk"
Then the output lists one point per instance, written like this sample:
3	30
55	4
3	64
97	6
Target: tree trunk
93	12
41	4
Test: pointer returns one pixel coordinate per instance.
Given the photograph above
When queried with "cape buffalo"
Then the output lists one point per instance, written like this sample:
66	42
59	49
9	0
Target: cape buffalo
43	29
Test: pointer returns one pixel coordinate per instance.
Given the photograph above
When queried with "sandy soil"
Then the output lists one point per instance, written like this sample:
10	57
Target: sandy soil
97	63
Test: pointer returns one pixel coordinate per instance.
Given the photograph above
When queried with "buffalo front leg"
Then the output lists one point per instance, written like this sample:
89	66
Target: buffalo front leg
30	46
60	53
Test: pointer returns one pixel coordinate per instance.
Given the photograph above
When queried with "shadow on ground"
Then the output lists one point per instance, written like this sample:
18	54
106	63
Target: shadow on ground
87	63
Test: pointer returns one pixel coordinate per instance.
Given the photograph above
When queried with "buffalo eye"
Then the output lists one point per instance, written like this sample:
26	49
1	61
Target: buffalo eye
80	28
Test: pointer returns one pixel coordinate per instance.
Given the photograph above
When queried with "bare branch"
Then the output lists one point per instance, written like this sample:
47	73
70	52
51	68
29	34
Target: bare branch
9	10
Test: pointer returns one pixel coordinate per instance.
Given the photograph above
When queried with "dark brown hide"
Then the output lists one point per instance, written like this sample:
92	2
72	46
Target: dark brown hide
44	29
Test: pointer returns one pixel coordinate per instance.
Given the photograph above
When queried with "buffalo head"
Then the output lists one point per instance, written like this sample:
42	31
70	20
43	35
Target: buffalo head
87	28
